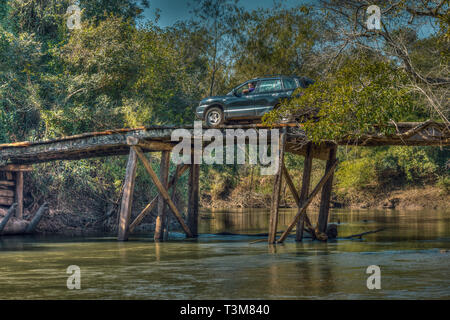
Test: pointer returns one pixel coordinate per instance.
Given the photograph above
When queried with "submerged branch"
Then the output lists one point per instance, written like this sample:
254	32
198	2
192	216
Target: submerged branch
360	235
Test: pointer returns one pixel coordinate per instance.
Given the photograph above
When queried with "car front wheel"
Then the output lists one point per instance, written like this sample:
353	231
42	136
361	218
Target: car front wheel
214	117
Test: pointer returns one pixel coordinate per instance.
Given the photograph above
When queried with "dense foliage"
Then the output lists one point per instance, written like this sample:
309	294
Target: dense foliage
121	71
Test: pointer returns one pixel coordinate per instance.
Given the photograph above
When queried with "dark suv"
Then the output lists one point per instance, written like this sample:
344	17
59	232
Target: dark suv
250	100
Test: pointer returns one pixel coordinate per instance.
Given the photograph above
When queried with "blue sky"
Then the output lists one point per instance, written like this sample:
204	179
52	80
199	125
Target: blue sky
174	10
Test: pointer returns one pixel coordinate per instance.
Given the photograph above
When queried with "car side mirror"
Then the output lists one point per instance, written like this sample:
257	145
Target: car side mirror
236	94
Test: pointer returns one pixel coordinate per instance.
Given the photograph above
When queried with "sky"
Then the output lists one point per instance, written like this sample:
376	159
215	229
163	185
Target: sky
174	10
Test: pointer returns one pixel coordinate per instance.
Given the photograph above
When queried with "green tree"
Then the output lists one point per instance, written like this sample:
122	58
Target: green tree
276	41
361	93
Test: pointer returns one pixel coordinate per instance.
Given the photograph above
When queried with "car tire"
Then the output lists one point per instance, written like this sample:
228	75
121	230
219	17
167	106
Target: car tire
214	117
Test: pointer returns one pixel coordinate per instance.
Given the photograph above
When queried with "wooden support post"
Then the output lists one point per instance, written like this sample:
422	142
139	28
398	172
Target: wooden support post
19	194
149	207
302	210
273	221
295	194
37	218
193	202
326	194
127	196
8	215
174	190
306	181
163	176
161	189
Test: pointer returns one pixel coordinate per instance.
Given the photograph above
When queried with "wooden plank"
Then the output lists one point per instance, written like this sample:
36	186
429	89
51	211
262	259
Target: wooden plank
7	183
113	142
273	220
18	194
6	201
162	190
326	195
306	181
301	211
149	207
149	145
193	198
6	193
17	167
127	196
163	176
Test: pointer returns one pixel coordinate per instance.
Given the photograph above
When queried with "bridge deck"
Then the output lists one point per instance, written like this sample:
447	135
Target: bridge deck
114	142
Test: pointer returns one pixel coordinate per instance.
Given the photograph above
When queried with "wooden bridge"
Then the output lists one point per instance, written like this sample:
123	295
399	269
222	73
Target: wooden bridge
17	158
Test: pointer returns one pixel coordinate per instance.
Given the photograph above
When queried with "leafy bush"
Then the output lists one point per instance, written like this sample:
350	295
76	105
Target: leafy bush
415	163
444	184
353	175
362	93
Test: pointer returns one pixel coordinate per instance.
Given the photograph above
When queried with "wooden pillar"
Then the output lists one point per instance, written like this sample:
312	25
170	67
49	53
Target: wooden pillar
326	193
19	194
306	180
302	210
273	220
127	196
163	177
162	191
172	183
149	207
193	201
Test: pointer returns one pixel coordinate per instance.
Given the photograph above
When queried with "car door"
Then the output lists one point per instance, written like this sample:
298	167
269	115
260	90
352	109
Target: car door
267	96
241	105
289	85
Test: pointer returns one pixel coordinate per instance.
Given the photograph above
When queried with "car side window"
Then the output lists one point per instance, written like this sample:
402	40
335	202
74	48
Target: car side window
289	84
241	88
245	87
266	86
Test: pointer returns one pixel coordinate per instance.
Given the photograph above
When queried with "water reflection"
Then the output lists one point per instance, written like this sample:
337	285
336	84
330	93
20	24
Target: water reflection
218	266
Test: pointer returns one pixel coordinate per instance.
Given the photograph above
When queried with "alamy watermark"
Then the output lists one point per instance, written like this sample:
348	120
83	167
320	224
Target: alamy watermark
374	20
374	280
74	280
74	19
209	147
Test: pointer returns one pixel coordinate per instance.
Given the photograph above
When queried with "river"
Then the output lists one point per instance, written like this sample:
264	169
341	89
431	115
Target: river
412	253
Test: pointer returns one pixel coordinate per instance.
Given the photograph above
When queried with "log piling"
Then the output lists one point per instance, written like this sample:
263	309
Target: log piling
8	215
37	218
274	210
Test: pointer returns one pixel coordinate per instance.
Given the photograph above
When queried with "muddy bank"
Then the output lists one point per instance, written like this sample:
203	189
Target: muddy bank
428	197
82	223
87	222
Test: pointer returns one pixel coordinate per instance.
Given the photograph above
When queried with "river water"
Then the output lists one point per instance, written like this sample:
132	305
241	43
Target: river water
411	253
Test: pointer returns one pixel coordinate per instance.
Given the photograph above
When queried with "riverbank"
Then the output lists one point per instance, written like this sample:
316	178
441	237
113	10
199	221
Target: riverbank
87	222
417	198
